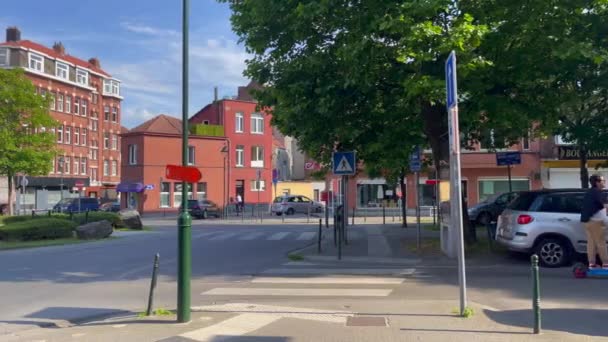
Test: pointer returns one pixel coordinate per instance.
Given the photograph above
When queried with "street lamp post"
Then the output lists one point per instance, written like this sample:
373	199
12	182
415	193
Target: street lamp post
61	161
225	150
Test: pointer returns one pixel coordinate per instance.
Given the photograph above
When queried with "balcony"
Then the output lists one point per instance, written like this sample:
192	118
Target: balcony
207	130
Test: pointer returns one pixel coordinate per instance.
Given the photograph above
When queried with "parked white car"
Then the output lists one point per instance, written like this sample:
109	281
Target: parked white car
291	204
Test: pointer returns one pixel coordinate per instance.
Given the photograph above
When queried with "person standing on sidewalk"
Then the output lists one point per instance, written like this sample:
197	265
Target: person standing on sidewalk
239	203
593	215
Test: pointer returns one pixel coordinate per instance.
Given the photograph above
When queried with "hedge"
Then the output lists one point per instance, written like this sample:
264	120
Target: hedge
81	218
38	229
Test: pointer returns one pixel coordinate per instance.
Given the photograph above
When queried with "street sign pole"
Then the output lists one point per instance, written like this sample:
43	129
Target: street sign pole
455	176
184	220
418	210
509	173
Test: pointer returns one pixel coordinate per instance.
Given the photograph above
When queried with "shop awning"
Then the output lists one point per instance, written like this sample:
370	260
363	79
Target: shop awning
130	187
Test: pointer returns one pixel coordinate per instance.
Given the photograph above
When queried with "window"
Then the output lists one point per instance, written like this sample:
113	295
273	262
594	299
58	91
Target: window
82	77
66	164
76	165
106	140
258	185
115	88
132	154
240	158
68	135
114	114
525	143
95	98
177	193
53	101
114	141
76	136
94	175
106	113
191	154
107	86
68	104
94	126
201	191
61	70
106	167
83	137
60	102
165	188
60	134
488	188
94	154
111	87
257	156
4	57
83	166
114	167
239	122
257	123
84	110
36	62
76	105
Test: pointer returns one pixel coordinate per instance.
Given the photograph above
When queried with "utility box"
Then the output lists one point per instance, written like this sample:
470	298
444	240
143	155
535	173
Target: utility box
449	234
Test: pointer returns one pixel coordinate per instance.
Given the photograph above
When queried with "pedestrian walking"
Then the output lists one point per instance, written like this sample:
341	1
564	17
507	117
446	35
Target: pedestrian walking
593	215
239	203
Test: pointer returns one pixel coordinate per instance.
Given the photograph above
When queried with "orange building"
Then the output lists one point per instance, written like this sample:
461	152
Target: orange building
149	147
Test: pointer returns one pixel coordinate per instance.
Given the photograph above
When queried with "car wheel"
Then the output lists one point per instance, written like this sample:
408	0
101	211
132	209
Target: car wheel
290	211
279	213
553	252
484	218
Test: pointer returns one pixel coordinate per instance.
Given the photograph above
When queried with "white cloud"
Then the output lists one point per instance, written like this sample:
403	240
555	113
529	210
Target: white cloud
148	30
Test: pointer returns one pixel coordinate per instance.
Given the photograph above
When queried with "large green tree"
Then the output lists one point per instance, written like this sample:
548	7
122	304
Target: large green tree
27	144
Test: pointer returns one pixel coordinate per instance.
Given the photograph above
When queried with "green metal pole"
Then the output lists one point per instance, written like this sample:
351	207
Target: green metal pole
536	294
184	220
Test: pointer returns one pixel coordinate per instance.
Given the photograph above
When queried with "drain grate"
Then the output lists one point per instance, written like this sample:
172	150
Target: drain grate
366	321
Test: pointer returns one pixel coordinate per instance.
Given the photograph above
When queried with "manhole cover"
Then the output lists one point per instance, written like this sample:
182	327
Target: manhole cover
362	321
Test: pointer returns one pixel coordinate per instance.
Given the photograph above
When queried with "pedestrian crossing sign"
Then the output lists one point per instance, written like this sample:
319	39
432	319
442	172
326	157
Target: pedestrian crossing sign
344	163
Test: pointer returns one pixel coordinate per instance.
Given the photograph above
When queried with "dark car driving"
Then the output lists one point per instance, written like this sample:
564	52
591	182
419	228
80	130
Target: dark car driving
75	205
488	211
203	209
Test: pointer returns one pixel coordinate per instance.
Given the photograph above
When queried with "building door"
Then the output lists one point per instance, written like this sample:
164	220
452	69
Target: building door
240	189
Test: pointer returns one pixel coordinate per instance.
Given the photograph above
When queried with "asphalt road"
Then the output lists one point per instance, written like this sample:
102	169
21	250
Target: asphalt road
67	283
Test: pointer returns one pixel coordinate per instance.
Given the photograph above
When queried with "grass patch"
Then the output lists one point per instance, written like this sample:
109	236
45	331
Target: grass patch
157	312
295	257
432	246
145	228
468	312
6	245
432	228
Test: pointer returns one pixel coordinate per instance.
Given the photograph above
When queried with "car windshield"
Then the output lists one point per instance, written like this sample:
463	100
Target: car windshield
65	201
192	203
279	199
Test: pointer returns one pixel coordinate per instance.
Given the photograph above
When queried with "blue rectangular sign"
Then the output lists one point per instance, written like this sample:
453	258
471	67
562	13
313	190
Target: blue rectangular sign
344	163
508	158
450	81
415	160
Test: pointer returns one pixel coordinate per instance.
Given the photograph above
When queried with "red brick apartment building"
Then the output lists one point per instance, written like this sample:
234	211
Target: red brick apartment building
86	102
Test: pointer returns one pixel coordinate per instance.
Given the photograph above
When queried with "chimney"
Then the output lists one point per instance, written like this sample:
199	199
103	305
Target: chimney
13	34
59	48
95	62
214	94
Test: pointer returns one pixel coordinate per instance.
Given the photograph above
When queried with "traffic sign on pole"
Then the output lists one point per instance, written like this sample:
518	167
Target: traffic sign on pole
416	160
188	174
344	163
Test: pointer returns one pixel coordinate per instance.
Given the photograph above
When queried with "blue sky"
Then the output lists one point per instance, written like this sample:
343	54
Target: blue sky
139	42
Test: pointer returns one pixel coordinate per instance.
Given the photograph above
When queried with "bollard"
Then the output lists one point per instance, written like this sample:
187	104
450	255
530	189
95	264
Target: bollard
33	213
383	215
335	233
536	294
393	214
86	216
354	212
49	213
152	285
340	242
319	237
308	215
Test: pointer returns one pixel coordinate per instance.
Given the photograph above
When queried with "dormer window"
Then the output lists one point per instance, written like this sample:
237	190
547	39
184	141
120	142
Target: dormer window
61	70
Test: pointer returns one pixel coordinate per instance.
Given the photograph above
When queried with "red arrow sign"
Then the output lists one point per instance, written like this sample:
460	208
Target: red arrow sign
187	174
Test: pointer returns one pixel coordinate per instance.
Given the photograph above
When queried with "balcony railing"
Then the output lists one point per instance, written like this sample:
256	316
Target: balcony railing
207	130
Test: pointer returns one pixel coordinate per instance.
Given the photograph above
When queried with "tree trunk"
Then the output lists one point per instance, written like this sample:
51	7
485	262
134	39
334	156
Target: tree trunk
583	153
402	184
435	126
11	210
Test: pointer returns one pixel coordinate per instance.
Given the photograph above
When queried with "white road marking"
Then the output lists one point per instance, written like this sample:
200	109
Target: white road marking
245	291
306	236
251	236
337	271
328	280
278	236
222	237
117	326
334	316
364	259
236	326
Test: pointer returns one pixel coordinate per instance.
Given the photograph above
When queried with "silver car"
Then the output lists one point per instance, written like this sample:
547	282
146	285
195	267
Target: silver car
291	204
545	222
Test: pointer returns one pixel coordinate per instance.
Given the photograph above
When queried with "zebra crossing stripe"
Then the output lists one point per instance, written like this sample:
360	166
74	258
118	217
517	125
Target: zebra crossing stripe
223	236
296	292
251	236
306	236
338	271
235	326
329	280
278	236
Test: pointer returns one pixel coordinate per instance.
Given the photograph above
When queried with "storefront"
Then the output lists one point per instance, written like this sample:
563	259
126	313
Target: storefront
565	171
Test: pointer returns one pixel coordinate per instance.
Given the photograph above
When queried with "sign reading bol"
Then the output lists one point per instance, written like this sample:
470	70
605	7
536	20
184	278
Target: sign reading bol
572	153
188	174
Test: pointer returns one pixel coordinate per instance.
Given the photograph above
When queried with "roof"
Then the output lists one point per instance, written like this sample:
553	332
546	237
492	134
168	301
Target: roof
48	51
160	124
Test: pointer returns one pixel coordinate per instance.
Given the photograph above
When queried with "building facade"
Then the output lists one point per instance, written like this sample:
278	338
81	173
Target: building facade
249	145
86	102
149	148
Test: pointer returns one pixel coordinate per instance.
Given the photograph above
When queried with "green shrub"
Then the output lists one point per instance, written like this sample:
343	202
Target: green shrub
24	218
15	219
38	229
95	216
